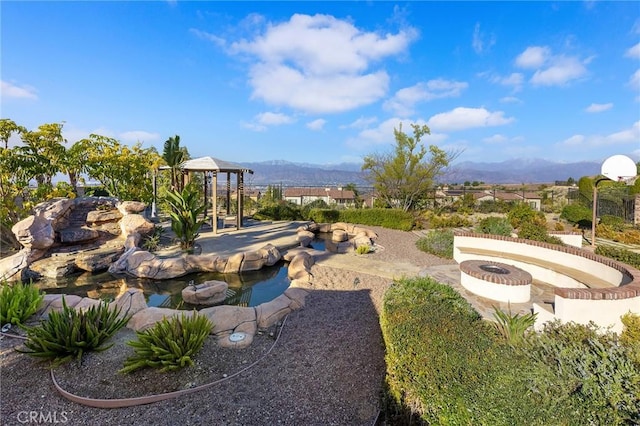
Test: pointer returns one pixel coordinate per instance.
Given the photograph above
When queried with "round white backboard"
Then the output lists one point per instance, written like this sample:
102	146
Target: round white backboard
619	168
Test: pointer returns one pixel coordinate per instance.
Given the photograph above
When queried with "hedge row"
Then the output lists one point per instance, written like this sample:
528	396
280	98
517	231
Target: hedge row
387	218
445	365
621	255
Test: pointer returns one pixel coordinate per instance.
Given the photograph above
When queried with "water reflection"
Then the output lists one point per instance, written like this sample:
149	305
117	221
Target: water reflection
245	289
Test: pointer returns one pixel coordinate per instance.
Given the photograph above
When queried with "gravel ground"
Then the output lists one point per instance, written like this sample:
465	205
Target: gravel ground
324	365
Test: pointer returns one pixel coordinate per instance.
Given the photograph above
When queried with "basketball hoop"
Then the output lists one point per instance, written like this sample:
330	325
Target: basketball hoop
618	168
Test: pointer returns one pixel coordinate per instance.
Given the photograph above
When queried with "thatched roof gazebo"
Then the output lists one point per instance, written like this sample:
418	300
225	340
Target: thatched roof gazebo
211	167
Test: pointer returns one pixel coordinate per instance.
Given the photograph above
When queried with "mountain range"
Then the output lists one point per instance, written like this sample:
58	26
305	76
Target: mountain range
517	171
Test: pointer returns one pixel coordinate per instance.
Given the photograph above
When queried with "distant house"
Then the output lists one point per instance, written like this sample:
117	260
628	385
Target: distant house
332	196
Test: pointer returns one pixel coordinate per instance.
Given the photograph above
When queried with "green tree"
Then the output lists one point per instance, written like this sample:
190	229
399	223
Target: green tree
357	199
42	153
124	171
174	155
7	128
403	178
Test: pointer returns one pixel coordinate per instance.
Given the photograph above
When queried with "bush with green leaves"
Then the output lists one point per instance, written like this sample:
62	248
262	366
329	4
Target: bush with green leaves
446	366
152	242
513	327
279	211
614	222
594	376
18	302
438	242
363	249
621	255
494	225
535	232
315	204
69	333
186	211
522	213
170	344
449	221
577	214
387	218
324	215
630	336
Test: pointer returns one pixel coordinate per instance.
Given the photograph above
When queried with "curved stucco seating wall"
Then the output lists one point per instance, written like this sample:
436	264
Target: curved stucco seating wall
615	290
569	238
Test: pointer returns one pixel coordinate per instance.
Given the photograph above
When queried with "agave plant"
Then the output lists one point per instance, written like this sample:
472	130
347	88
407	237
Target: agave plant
185	211
170	344
69	333
18	302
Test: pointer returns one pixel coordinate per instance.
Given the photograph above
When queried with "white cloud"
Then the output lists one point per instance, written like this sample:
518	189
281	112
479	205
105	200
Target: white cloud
533	57
634	81
10	90
633	52
599	107
405	99
138	136
622	137
496	139
219	41
478	41
383	134
562	70
551	70
360	123
510	100
273	118
514	80
466	118
319	63
316	124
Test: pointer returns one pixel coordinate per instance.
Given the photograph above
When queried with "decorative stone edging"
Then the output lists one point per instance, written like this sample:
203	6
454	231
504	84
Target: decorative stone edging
512	275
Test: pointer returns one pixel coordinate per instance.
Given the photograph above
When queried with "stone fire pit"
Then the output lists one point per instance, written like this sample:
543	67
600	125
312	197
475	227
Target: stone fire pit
496	281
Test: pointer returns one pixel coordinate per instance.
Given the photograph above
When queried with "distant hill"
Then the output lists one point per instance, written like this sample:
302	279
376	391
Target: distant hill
511	171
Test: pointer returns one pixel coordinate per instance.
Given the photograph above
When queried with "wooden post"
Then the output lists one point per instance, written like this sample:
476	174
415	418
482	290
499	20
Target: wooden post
214	201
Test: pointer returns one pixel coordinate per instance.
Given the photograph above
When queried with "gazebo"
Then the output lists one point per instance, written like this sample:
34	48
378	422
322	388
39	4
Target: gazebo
211	167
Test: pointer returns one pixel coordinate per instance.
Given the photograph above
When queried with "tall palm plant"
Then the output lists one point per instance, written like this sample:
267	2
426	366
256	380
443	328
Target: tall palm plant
174	155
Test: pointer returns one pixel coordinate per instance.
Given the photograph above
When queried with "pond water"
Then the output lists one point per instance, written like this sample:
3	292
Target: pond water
245	289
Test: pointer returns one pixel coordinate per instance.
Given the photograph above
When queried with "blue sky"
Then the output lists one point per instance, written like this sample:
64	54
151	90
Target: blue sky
327	82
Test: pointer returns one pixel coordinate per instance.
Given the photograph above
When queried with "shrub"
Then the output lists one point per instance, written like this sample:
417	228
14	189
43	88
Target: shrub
495	226
535	232
630	336
513	327
387	218
452	221
170	344
323	215
152	242
279	211
558	227
438	242
594	375
523	213
445	365
18	302
315	204
69	333
577	214
363	249
619	254
614	222
185	215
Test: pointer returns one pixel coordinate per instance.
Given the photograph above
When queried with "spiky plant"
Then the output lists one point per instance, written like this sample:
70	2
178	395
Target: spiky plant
170	344
18	302
513	327
69	333
185	211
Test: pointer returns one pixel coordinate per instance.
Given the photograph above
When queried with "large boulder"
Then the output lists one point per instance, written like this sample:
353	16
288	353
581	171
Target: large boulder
35	232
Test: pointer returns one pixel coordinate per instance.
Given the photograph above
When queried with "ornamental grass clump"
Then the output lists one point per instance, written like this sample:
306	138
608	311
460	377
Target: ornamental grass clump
70	333
513	327
18	302
170	344
438	242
